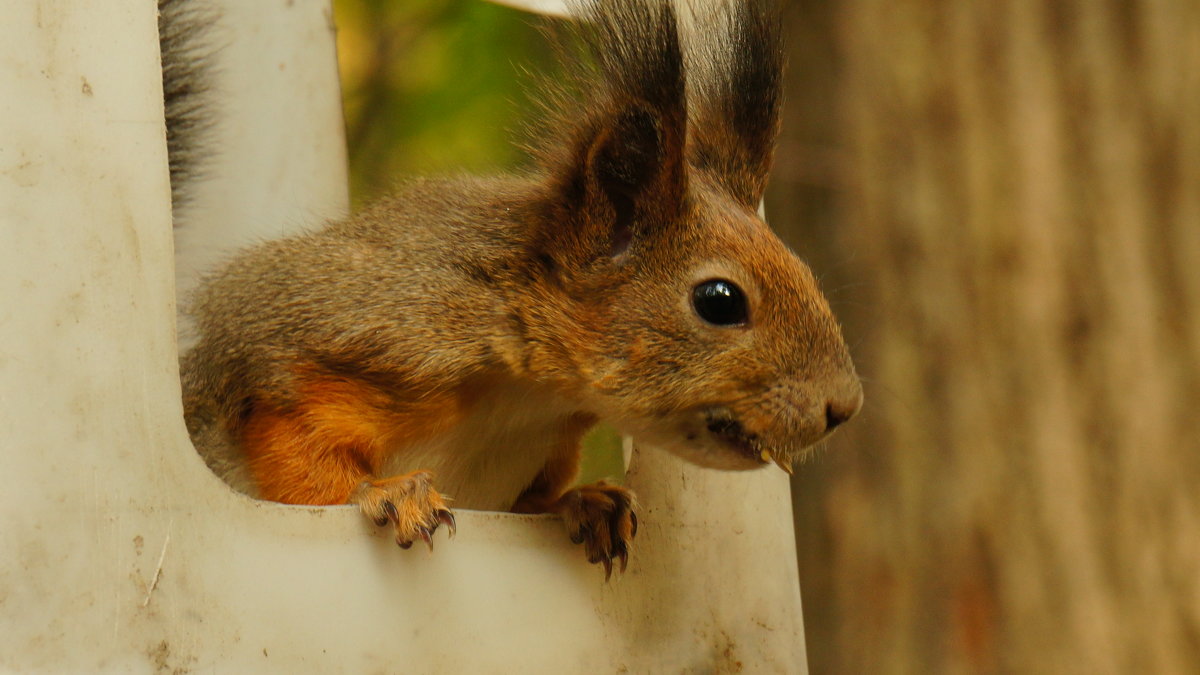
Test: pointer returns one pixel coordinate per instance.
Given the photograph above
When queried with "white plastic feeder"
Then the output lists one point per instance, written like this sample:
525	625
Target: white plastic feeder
121	552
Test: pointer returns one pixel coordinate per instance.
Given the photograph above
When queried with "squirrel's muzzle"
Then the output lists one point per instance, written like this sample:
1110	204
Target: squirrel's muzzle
844	404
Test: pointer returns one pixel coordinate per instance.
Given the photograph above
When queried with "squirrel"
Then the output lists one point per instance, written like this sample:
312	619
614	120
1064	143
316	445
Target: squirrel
460	336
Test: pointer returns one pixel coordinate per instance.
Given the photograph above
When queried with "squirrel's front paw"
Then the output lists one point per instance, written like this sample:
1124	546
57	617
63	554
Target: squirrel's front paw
409	503
600	516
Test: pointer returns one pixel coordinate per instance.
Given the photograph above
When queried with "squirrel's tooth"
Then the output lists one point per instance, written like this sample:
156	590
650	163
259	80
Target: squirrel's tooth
784	464
765	455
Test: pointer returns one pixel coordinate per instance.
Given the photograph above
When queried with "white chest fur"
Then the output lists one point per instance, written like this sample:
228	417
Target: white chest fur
486	461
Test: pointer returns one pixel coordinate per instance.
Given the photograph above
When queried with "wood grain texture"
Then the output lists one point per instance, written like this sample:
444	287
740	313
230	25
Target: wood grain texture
1018	205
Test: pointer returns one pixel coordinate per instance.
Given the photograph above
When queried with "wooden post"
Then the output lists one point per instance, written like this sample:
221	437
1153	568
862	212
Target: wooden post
1022	213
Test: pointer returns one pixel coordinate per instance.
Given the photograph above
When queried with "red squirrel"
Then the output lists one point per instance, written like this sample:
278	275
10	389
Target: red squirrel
460	336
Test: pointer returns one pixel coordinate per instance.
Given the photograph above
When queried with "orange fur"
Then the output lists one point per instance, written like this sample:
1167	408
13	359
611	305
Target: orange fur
293	462
337	436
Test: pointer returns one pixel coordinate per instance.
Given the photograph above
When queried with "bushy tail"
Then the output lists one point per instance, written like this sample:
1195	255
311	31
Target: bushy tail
185	38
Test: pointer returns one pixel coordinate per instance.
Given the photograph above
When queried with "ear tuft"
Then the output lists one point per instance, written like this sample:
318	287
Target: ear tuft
736	94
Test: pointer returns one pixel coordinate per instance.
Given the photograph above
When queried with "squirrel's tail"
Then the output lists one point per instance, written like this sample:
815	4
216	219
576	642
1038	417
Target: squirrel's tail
185	38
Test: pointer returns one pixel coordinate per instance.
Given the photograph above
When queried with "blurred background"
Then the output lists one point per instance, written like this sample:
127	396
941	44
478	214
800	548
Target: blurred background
1002	200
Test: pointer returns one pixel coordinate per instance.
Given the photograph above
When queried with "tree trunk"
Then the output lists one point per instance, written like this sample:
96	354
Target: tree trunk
1021	211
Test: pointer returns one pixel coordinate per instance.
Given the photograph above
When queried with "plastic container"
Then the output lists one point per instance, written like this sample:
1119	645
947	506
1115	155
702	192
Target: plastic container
121	552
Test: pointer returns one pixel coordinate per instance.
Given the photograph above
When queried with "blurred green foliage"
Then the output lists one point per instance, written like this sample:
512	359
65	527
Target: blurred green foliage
439	87
434	86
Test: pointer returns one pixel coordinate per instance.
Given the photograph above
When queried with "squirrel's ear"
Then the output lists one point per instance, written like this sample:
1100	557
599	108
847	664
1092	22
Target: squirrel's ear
736	92
616	157
635	172
625	158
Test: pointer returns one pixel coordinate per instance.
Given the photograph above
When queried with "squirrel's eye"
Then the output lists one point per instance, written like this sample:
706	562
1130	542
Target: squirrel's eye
720	302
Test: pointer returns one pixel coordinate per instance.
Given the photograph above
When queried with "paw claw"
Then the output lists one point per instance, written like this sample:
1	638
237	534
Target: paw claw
409	503
620	551
601	517
446	518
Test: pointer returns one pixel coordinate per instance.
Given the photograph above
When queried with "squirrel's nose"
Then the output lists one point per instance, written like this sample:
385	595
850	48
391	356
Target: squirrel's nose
844	406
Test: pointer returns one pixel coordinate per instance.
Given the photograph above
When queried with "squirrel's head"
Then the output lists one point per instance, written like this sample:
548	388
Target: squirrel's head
665	299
